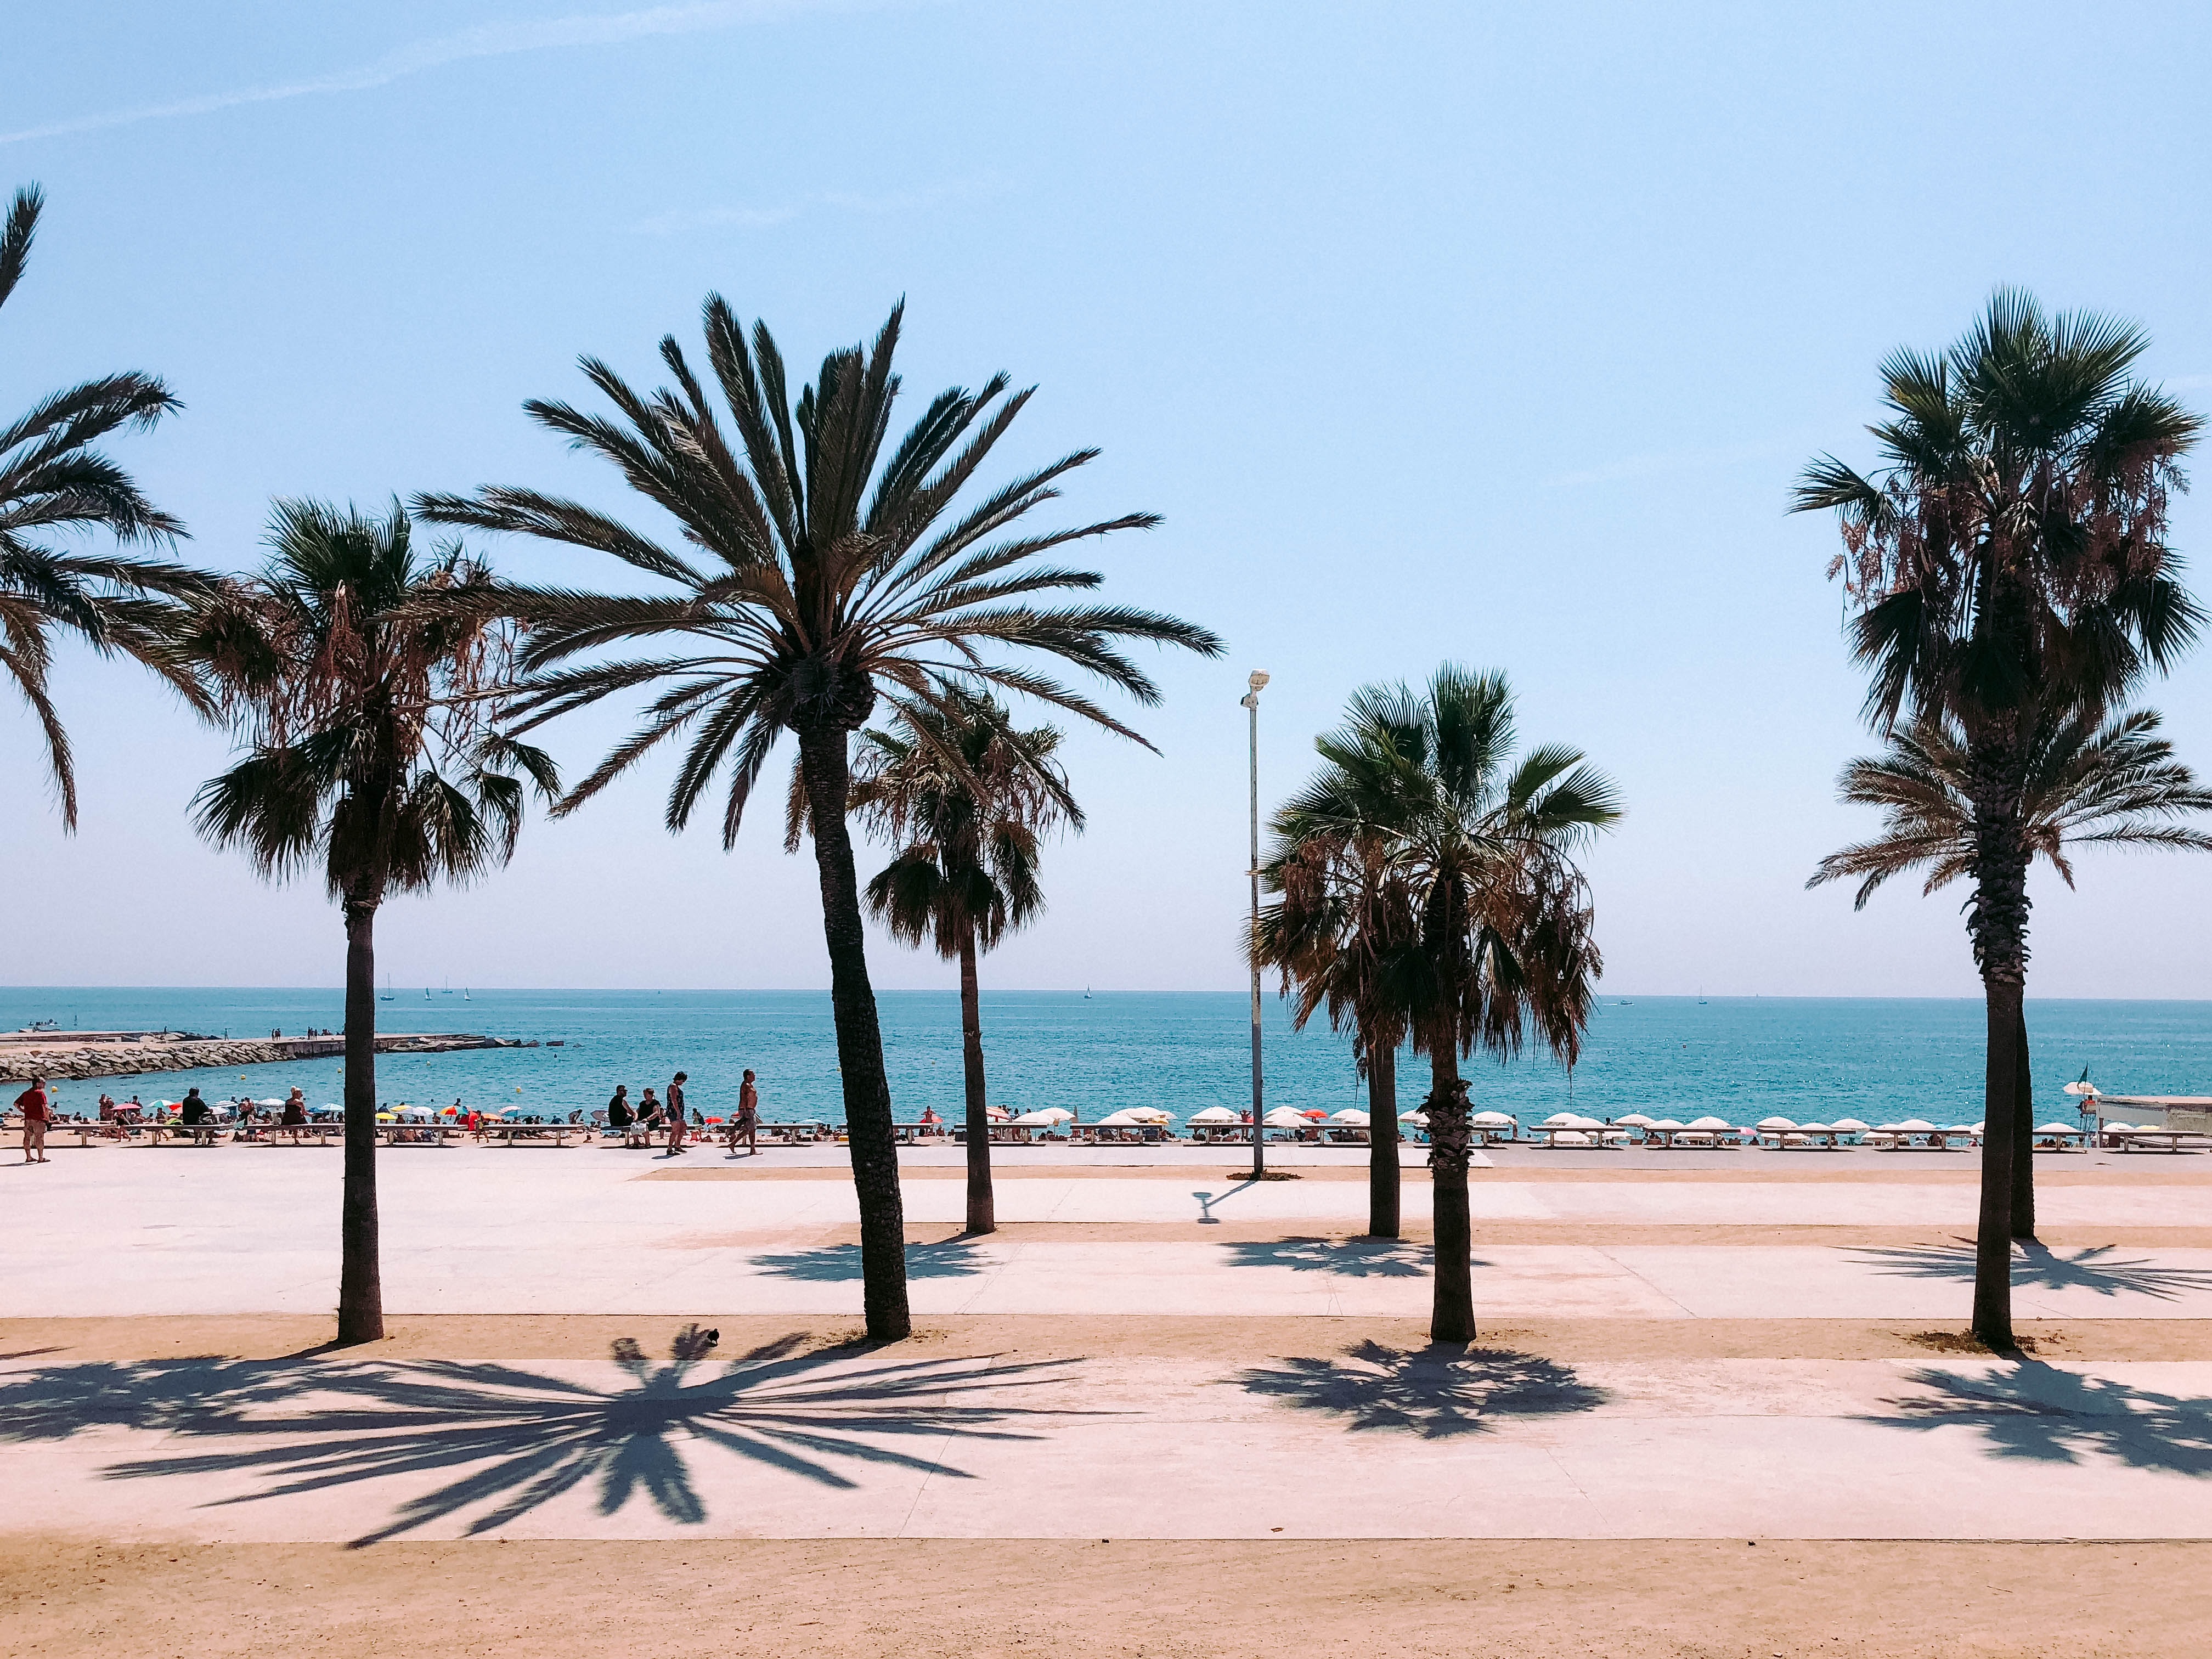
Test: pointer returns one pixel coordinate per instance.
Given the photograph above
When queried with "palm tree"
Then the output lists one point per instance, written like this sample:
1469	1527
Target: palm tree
965	798
1341	936
365	689
2090	782
818	574
2008	564
1501	914
53	479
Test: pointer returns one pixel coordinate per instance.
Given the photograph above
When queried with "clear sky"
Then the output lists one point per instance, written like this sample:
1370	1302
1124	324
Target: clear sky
1435	331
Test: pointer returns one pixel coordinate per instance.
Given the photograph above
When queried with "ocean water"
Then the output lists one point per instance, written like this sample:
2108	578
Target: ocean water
1737	1058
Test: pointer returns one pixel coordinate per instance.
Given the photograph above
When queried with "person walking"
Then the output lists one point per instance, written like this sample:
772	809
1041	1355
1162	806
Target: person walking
747	1122
37	1108
676	1120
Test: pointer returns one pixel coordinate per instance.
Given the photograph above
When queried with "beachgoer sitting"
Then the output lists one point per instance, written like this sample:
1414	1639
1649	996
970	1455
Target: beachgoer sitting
295	1116
196	1115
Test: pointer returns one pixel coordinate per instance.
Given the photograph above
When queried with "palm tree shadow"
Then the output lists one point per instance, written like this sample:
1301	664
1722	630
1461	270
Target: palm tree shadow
1353	1258
953	1258
1436	1392
504	1441
2029	1409
2037	1266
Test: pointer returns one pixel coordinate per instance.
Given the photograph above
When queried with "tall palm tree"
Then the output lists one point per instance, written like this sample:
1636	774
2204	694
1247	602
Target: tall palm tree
2090	782
365	689
53	480
1501	945
817	574
965	797
1341	936
2008	564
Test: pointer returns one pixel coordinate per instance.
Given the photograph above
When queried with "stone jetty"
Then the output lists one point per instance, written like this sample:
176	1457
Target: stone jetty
25	1055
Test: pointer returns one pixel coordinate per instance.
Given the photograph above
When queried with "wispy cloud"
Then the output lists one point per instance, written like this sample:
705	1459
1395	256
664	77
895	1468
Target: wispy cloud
489	40
754	218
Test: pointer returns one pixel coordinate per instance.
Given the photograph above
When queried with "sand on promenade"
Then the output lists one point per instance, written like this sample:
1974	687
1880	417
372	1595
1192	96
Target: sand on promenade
63	1598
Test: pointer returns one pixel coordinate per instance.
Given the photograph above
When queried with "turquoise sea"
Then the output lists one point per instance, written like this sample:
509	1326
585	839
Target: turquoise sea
1738	1058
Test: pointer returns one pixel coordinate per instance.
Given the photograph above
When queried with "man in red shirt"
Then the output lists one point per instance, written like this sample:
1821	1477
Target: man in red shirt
36	1109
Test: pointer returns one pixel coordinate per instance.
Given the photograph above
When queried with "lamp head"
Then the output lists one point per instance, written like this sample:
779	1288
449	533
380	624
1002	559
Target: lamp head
1258	682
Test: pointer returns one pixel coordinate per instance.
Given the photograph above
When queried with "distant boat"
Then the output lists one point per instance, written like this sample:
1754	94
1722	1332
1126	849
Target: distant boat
386	997
464	994
426	993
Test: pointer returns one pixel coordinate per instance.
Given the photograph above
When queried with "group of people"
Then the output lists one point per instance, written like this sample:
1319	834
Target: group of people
653	1116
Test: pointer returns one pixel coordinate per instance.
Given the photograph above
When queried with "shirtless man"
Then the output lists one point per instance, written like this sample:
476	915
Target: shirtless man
747	1122
37	1109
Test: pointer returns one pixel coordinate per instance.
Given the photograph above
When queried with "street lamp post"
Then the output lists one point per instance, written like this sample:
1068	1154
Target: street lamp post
1251	702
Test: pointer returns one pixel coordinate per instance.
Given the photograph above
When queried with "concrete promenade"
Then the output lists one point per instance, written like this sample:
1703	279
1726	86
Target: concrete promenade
1760	1349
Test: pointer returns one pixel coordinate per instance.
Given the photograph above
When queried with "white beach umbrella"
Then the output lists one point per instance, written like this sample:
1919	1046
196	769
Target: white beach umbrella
1666	1123
2081	1089
1914	1126
1286	1117
1961	1129
1149	1115
1215	1115
1044	1115
1583	1124
1358	1120
1978	1129
1816	1128
1710	1123
1633	1121
1776	1124
2071	1128
1416	1117
1127	1119
1571	1137
1480	1120
1561	1120
1849	1125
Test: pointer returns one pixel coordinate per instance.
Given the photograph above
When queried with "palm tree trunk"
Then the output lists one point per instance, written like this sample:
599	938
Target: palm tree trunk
361	1277
1382	1141
824	769
982	1211
1451	1317
1993	1235
2023	1145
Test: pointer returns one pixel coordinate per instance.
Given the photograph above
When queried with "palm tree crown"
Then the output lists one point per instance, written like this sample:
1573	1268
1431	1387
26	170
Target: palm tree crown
54	480
360	670
965	798
2089	783
829	572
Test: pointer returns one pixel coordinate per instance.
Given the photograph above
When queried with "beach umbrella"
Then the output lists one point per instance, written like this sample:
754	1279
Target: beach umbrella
1481	1120
1215	1115
1122	1120
1286	1117
1149	1115
1816	1128
1776	1124
1914	1126
1571	1137
1708	1123
1586	1123
2070	1129
1961	1129
997	1114
1421	1119
1049	1114
1666	1123
1633	1121
2084	1087
1358	1120
1561	1120
1849	1125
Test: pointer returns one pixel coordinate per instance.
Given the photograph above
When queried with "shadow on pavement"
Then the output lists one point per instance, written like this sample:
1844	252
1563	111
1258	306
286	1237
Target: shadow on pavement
1435	1393
1354	1258
2036	1264
512	1439
2027	1409
952	1258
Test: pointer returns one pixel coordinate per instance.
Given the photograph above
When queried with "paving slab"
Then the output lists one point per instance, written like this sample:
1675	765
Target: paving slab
1375	1442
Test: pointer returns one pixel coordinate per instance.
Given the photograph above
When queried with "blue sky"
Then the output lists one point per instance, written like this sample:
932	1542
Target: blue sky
1433	330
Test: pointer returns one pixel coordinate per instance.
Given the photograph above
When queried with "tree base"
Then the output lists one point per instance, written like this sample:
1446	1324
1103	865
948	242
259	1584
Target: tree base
1261	1175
